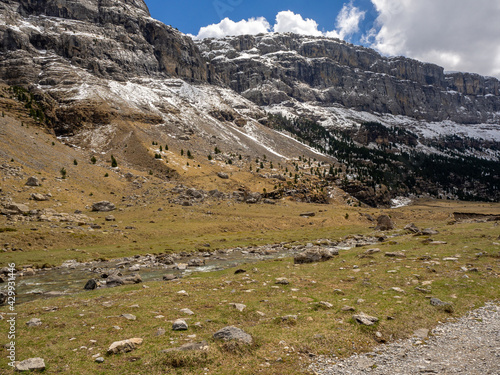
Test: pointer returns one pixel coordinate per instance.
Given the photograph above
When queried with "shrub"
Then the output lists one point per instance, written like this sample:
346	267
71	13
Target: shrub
114	163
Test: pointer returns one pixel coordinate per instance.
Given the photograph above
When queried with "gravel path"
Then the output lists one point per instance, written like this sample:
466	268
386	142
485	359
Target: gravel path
470	346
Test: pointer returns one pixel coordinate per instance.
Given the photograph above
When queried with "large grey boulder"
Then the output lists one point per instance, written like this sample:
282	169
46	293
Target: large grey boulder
233	333
33	181
103	206
31	364
384	222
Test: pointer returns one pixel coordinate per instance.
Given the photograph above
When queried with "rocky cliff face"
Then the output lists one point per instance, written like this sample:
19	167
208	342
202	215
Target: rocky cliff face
114	39
274	68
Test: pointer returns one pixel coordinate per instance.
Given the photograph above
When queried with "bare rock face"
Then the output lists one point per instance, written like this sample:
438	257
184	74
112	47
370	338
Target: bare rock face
324	70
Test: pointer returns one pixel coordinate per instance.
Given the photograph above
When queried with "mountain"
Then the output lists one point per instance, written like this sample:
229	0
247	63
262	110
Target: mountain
318	113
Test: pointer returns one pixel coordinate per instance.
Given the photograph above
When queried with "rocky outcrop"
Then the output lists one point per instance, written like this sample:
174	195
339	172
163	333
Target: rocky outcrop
114	39
272	69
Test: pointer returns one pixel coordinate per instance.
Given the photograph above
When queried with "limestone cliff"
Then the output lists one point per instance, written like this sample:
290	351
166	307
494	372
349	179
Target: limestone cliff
273	68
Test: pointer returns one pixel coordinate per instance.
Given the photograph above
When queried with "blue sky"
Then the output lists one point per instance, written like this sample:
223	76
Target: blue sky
459	35
190	15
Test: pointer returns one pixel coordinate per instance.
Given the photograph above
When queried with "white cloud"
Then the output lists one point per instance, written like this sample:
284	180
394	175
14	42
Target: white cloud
226	27
287	21
347	23
456	34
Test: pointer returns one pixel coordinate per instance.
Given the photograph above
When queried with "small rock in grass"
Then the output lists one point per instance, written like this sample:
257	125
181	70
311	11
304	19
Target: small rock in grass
34	322
364	319
179	325
128	316
186	311
282	281
99	359
124	346
238	306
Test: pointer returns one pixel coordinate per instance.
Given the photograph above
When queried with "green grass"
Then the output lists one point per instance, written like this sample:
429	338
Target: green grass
280	347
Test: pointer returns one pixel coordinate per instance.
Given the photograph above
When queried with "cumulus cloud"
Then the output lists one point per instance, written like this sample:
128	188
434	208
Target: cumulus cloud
287	21
347	23
456	34
227	27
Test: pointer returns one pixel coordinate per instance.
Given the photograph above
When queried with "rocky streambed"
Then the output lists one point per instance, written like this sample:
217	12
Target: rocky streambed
74	277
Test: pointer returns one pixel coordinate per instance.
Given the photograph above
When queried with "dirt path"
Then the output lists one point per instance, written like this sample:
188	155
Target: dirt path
469	346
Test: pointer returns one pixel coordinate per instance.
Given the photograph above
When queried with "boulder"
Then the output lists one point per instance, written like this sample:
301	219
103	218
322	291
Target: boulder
103	206
412	228
33	181
124	346
38	197
364	319
384	222
315	255
179	325
31	364
91	284
196	262
233	333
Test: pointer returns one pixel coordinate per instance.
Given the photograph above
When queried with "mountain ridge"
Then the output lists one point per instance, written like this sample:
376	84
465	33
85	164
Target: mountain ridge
94	84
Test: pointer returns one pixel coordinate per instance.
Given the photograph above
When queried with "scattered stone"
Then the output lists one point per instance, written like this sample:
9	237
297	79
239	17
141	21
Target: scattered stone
233	333
39	197
134	268
429	232
196	262
31	364
308	214
422	290
91	285
282	281
347	308
421	333
186	311
99	359
34	322
372	251
33	181
399	290
315	255
182	293
160	332
128	316
412	228
396	254
325	304
223	175
384	222
169	277
445	306
103	206
179	325
124	346
364	319
110	218
196	346
238	306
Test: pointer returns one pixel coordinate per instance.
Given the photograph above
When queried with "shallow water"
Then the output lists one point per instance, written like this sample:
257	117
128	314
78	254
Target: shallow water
64	281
